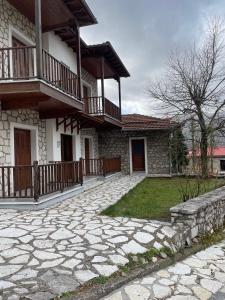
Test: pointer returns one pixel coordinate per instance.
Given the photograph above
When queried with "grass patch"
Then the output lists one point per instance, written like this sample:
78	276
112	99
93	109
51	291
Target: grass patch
153	197
213	238
100	280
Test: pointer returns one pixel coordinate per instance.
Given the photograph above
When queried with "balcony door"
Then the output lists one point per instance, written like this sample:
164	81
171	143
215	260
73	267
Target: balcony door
22	59
85	97
22	146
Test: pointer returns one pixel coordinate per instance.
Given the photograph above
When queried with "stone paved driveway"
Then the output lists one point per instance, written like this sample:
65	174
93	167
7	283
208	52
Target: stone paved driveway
199	277
51	251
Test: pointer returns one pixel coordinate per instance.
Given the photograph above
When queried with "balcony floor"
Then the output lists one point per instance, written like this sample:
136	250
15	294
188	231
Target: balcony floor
39	96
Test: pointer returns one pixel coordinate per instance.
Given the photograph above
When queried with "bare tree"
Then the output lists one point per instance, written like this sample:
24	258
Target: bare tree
194	87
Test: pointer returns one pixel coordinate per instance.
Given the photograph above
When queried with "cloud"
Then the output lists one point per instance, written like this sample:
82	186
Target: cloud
144	32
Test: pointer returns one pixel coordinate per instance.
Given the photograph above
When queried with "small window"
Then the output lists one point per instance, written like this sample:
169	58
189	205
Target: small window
222	165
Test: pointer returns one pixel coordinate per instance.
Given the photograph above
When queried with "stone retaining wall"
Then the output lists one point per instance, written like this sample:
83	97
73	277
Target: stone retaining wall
202	214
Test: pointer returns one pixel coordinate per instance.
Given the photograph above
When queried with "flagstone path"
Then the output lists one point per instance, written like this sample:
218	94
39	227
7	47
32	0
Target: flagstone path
48	252
199	277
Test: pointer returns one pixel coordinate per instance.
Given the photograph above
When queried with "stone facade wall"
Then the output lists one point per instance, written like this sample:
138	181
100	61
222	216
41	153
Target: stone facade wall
91	80
90	132
201	215
10	16
25	117
116	143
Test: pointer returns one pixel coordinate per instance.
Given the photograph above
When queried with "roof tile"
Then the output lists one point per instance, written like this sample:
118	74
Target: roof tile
142	122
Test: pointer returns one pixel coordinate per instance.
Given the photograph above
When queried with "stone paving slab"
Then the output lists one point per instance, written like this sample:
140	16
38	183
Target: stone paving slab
199	277
45	253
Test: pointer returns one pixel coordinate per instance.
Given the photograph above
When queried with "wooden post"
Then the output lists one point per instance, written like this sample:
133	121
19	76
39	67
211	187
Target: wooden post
103	167
62	178
36	181
81	171
38	30
102	83
78	52
120	100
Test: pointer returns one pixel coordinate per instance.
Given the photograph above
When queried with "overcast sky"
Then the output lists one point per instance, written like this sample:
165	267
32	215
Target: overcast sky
144	32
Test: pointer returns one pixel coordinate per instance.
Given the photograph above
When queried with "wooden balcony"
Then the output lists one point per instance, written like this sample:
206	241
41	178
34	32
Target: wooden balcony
58	87
104	109
36	181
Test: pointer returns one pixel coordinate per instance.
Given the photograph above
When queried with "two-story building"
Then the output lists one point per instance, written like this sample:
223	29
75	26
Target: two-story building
52	113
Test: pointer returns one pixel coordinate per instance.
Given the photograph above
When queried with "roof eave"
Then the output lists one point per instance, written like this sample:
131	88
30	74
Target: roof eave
146	129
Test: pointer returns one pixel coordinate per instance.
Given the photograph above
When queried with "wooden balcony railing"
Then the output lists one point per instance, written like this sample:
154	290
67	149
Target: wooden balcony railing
59	75
101	166
101	106
92	167
20	64
38	180
33	182
17	63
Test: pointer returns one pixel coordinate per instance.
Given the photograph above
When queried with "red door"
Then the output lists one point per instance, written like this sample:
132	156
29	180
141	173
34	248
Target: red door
138	155
22	145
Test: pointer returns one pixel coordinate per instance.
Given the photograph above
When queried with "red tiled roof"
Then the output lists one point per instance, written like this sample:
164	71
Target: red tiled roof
215	152
142	122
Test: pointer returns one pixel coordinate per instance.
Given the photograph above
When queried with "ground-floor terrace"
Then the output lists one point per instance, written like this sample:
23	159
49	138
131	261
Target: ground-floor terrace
42	157
54	250
39	157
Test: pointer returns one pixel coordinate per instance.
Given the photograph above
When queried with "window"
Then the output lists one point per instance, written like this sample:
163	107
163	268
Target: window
222	165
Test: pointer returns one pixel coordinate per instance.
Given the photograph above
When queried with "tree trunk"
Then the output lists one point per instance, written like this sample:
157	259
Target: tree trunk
193	145
204	154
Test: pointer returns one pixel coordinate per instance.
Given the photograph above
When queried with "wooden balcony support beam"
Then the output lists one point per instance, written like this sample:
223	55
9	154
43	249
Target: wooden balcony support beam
120	98
38	30
77	125
63	121
78	52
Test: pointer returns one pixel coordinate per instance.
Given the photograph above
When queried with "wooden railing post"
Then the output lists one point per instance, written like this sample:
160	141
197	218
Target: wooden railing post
36	181
103	167
81	171
62	179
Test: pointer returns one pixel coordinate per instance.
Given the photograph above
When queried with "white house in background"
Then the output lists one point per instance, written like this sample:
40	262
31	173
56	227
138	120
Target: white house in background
216	161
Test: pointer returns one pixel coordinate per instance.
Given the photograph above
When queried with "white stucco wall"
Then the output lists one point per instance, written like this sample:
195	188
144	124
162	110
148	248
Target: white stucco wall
54	141
60	50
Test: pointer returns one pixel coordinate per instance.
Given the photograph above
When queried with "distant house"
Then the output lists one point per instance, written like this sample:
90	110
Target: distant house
142	143
216	161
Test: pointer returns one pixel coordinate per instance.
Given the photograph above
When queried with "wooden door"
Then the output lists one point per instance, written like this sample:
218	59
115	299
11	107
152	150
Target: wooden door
138	155
22	146
85	97
21	60
87	155
66	147
67	156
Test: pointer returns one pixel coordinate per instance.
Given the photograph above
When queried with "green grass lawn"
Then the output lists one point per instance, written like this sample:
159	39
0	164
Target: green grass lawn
153	197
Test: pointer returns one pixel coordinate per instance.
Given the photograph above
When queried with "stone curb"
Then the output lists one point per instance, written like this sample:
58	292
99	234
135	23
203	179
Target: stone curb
98	291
